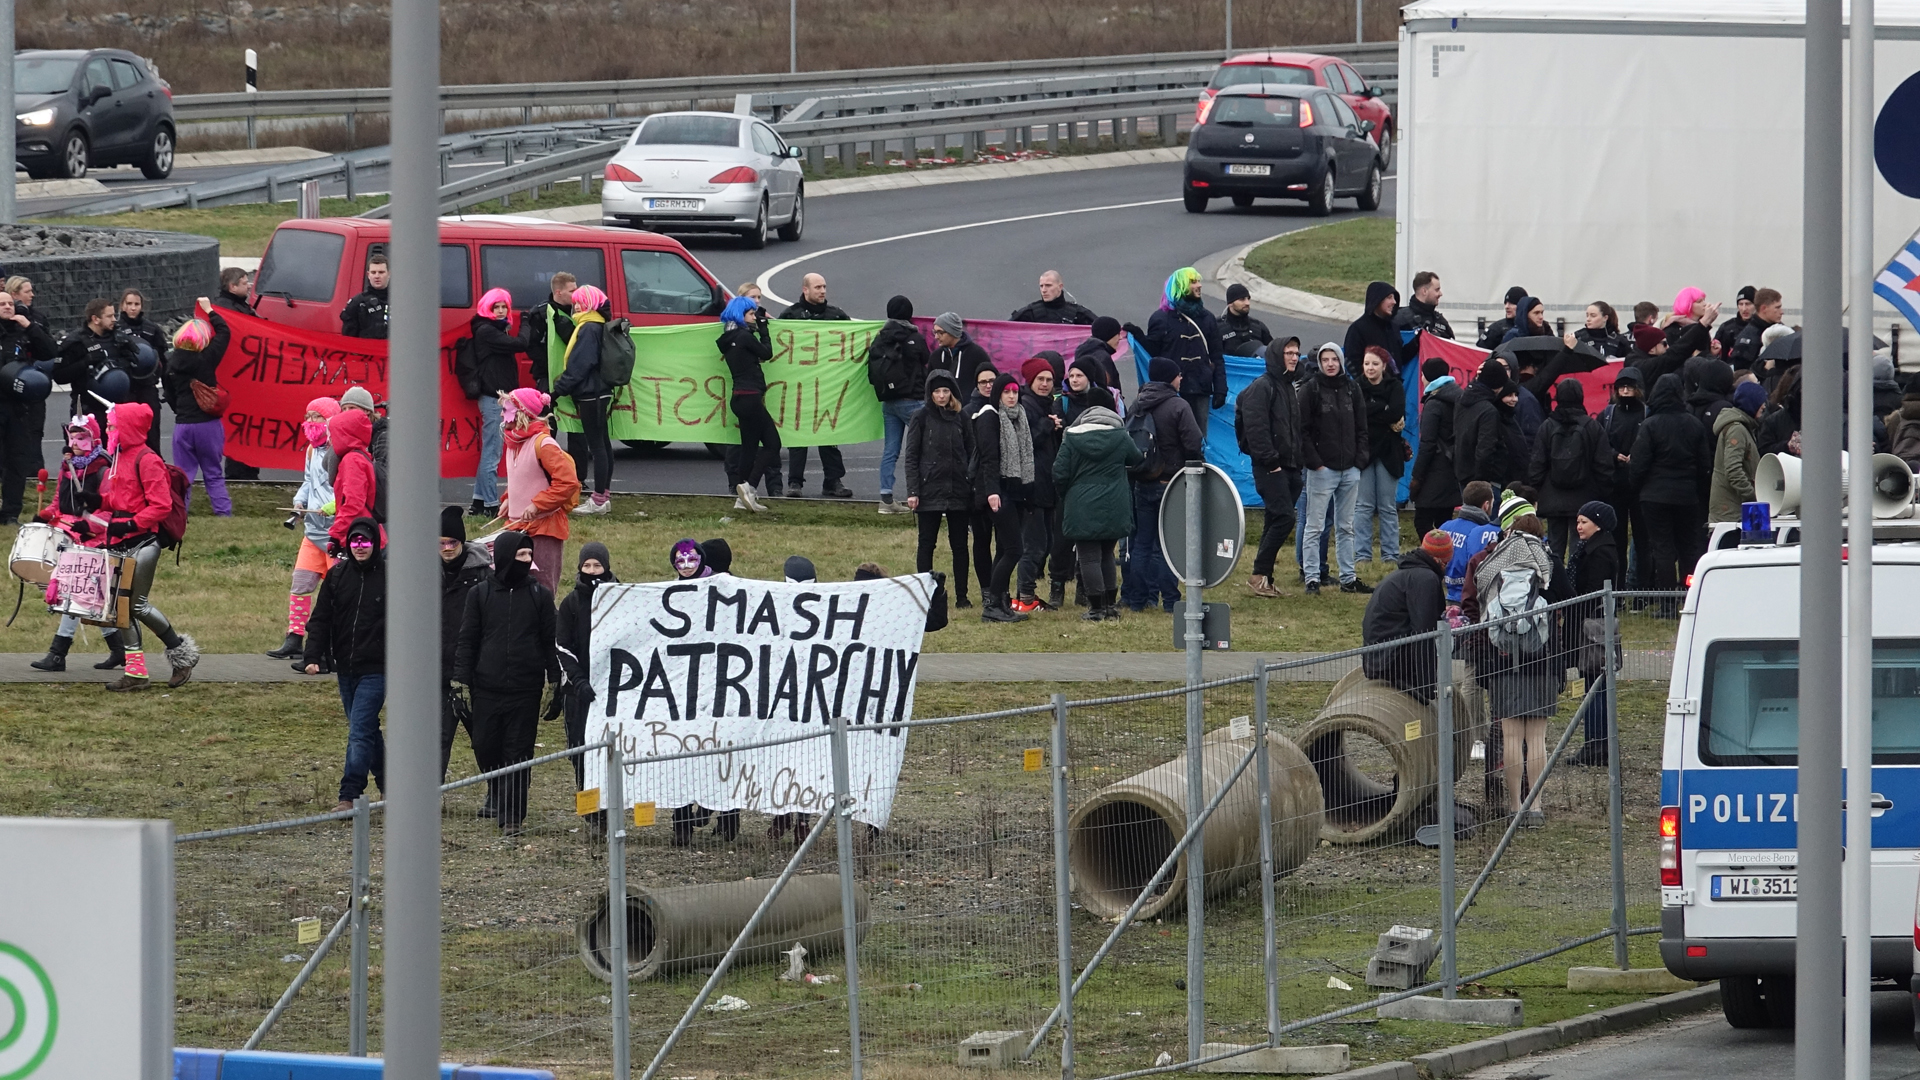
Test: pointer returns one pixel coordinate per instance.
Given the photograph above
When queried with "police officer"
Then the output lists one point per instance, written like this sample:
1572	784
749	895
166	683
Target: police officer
97	363
365	316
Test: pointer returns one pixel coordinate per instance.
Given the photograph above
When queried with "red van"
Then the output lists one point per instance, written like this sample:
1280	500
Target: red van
314	266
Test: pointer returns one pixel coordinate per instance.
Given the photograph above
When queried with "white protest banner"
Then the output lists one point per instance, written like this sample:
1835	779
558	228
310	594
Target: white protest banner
708	663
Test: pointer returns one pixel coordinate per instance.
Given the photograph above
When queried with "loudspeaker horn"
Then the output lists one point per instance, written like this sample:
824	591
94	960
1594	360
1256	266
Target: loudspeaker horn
1892	487
1777	483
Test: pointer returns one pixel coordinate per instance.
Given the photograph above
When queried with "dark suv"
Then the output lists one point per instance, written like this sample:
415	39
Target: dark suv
78	108
1274	141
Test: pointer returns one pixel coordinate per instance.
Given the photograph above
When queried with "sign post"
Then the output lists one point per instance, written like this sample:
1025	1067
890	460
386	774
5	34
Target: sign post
86	948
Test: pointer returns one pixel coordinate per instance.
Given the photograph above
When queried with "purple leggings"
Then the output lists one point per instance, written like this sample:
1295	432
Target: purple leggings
197	449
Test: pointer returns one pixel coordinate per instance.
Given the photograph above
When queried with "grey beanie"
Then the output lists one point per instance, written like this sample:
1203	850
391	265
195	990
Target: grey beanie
949	323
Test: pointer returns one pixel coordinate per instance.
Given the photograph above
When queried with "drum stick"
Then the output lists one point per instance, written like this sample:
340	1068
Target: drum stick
39	490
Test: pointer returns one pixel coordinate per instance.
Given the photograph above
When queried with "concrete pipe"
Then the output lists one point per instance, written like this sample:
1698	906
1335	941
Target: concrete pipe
1375	751
691	926
1118	838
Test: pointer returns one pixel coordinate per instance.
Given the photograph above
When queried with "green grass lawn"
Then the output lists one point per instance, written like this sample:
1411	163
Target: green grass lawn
230	587
959	888
1329	260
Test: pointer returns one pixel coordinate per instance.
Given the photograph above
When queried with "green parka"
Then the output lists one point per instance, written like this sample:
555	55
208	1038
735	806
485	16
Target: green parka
1090	476
1735	457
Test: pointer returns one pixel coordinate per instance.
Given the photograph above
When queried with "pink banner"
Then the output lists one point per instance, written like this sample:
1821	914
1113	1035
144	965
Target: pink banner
1014	343
1465	360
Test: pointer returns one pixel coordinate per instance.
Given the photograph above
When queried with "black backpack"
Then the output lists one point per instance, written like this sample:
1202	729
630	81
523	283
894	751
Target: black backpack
1145	433
1567	456
889	370
379	484
616	354
466	369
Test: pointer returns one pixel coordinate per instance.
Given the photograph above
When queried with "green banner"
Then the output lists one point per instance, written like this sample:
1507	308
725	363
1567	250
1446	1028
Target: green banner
817	388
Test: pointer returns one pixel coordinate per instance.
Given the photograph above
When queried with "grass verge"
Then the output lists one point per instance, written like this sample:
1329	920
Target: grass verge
959	890
230	587
1329	260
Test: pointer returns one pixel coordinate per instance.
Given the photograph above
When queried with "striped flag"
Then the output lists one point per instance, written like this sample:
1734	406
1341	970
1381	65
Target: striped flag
1899	283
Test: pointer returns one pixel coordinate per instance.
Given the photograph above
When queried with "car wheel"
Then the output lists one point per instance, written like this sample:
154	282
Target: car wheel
1196	203
1321	201
158	164
1369	197
756	238
1243	201
790	232
1383	139
73	156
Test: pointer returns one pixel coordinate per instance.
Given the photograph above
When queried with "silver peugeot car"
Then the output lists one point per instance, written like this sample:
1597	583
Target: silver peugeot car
706	172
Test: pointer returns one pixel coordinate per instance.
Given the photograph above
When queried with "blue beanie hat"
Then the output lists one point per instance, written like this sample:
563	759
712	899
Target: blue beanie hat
1748	397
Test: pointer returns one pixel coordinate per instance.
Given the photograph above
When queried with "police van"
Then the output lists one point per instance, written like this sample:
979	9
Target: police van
1728	783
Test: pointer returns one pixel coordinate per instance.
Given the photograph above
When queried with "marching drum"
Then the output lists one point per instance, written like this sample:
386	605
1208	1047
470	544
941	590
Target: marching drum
94	586
36	551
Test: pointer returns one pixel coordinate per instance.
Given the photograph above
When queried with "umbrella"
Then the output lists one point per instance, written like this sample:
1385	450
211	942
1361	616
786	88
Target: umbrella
1785	347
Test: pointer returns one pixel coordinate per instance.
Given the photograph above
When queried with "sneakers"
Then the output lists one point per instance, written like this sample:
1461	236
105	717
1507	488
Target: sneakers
795	491
888	506
126	683
1026	605
1533	819
477	509
1313	587
1262	585
834	489
598	504
1355	586
748	499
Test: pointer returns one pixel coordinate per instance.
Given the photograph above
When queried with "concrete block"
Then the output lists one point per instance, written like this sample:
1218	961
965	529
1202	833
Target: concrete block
1386	1070
1493	1012
1278	1060
992	1049
1633	980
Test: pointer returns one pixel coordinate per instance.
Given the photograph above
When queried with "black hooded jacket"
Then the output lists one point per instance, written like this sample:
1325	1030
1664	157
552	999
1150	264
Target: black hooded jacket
1409	601
1715	390
507	633
1046	445
821	312
1191	338
1480	443
1059	311
1417	315
1177	436
1523	323
898	362
348	627
496	353
1622	423
745	348
1672	452
1333	423
573	625
456	579
366	315
1686	340
1099	354
1267	418
1434	484
935	452
184	367
1374	330
964	360
1386	406
1584	471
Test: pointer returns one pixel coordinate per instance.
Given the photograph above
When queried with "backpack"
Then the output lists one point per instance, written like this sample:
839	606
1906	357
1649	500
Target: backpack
888	370
466	368
1567	457
1519	592
379	484
1145	434
173	527
616	354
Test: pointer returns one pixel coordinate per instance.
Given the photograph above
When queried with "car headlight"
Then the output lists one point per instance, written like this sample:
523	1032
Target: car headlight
36	118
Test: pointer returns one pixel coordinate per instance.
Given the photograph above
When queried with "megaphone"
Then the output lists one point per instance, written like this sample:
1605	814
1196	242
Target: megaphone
1892	490
1777	483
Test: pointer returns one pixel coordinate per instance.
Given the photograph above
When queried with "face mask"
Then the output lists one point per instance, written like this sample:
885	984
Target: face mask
80	442
686	563
315	431
113	437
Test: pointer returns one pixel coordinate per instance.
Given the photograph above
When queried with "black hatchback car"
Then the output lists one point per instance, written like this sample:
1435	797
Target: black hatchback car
77	108
1275	141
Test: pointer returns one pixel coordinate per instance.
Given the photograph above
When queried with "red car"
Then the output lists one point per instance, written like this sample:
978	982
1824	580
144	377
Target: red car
1307	69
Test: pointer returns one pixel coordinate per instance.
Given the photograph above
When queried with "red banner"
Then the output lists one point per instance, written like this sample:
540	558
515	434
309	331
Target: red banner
272	371
1465	360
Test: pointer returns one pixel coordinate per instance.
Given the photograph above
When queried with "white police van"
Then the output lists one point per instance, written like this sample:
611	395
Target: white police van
1728	784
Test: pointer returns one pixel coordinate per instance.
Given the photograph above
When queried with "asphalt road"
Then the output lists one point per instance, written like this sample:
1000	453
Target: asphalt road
976	248
1705	1046
126	180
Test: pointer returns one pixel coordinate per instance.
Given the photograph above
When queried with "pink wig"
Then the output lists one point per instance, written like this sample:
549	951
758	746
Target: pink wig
193	336
1684	300
493	296
587	298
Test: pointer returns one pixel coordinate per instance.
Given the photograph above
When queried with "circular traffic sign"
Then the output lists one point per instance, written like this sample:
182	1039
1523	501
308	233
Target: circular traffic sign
1896	138
1223	524
35	1013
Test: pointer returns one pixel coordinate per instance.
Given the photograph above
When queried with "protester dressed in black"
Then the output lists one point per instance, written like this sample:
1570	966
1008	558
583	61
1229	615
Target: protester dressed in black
1572	464
573	640
934	455
745	345
462	566
1671	466
1002	482
505	657
1434	485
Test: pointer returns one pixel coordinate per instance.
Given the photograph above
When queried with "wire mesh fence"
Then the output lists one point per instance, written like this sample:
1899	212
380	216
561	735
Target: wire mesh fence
956	907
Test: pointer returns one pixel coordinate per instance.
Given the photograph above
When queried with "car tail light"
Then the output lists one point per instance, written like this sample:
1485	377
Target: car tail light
1690	577
1696	950
1306	113
1669	845
1205	106
739	174
622	174
1200	183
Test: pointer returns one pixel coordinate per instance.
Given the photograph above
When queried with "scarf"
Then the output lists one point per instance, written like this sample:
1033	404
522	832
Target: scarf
1016	444
580	320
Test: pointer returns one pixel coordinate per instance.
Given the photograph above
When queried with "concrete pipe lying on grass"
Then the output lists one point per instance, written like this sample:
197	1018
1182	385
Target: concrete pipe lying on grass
1118	838
691	926
1377	756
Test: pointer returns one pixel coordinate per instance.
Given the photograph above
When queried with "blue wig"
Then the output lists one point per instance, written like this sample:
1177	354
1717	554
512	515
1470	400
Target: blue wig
735	313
